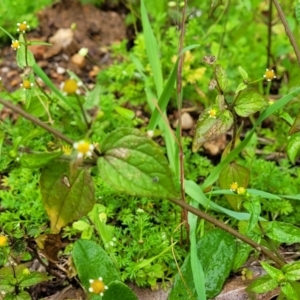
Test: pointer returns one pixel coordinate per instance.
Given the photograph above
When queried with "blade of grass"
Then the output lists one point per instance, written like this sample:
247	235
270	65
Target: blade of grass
152	50
195	192
167	93
197	269
40	73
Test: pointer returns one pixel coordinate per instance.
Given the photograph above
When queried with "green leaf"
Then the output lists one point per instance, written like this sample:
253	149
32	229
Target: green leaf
254	207
262	285
36	107
152	50
33	278
134	164
292	271
273	272
92	262
297	13
163	99
291	290
234	172
221	77
68	194
125	112
209	127
24	57
117	290
243	73
293	147
282	232
37	160
249	102
216	252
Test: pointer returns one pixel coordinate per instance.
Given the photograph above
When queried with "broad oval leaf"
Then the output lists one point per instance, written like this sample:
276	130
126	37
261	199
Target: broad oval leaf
37	160
92	262
134	164
293	147
234	172
282	232
210	126
216	251
117	290
248	102
68	194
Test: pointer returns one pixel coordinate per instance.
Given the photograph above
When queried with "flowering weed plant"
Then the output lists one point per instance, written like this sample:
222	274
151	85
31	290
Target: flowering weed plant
63	143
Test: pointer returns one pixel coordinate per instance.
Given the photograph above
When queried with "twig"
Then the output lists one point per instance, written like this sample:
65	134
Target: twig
287	30
230	230
38	122
269	46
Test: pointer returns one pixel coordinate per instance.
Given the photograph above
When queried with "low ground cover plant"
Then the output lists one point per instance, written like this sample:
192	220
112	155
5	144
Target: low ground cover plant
135	200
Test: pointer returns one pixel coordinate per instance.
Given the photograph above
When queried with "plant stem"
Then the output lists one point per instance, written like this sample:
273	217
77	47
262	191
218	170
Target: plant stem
287	30
269	46
179	106
82	112
279	262
38	122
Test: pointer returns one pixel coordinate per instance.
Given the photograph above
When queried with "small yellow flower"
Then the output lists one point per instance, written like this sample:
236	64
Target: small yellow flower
22	27
97	286
212	113
15	44
84	149
233	187
26	85
71	87
241	190
269	74
3	241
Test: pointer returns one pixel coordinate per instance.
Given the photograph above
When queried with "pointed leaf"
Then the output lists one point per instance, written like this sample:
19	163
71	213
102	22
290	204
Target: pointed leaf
67	194
216	252
117	290
92	262
243	73
25	57
33	278
37	160
134	164
273	272
234	172
262	285
209	127
293	147
249	102
254	207
291	290
282	232
221	77
292	271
